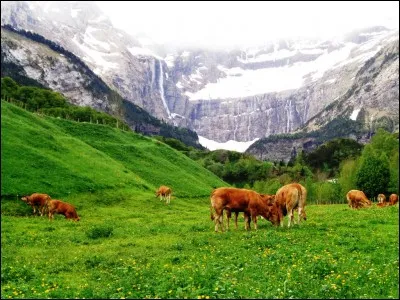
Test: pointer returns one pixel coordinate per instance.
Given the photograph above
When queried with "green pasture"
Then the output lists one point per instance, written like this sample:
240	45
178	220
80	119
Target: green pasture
140	247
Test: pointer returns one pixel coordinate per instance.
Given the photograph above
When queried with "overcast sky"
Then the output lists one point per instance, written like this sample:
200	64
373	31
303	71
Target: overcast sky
245	22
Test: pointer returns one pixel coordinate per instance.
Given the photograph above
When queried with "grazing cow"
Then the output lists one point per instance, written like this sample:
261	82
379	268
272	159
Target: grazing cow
290	197
38	201
241	200
381	198
165	193
382	201
357	199
62	208
393	199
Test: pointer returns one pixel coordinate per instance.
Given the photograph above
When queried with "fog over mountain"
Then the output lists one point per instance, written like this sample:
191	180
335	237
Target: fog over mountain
226	25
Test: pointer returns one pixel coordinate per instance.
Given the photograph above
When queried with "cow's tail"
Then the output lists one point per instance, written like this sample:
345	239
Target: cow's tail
211	207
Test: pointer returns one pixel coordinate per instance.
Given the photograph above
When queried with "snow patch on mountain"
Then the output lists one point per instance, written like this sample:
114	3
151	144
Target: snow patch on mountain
354	114
229	145
247	82
95	57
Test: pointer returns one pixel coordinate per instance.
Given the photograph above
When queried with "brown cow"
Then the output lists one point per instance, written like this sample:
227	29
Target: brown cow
38	201
393	199
165	193
241	200
290	197
357	199
269	198
62	208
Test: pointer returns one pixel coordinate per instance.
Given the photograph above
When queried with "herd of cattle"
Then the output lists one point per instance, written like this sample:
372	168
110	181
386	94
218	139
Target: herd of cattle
274	207
271	207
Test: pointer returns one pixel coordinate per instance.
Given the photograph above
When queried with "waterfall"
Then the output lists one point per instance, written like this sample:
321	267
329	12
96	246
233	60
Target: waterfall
287	108
153	73
161	86
248	127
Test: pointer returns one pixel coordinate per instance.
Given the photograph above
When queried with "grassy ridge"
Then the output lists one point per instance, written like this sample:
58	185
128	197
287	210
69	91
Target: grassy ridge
61	157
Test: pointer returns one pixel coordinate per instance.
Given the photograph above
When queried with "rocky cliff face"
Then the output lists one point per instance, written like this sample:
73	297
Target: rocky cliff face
371	102
243	96
80	27
51	69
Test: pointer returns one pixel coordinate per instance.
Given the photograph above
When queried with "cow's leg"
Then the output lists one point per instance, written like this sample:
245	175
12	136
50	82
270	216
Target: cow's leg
290	214
221	221
236	217
246	221
41	209
217	219
254	217
228	217
301	214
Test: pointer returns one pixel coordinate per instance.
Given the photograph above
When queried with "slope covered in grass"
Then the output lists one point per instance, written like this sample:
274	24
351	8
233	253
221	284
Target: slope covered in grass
61	157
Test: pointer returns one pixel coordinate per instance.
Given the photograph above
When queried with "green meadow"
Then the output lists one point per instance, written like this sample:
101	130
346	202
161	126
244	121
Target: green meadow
129	244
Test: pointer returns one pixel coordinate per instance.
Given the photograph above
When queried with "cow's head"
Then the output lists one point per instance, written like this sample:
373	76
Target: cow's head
24	198
274	214
303	215
270	199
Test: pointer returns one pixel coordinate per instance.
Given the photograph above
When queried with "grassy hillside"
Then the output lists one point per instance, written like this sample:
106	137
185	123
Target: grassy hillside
61	157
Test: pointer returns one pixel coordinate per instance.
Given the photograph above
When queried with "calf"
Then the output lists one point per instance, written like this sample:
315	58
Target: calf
165	193
37	201
270	199
393	199
356	199
241	200
62	208
290	197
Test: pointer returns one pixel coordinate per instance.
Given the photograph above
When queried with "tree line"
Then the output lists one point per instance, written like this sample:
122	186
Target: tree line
328	172
54	104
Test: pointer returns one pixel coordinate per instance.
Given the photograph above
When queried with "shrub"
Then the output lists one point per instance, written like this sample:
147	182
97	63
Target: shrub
100	231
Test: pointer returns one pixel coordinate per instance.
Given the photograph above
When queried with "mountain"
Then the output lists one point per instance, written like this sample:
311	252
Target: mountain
81	28
371	102
273	89
31	59
240	95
